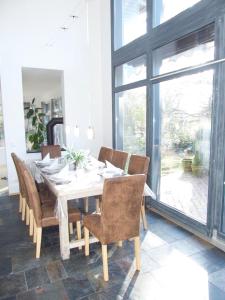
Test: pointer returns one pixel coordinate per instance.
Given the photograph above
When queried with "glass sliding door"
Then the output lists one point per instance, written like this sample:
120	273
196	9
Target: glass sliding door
131	120
184	109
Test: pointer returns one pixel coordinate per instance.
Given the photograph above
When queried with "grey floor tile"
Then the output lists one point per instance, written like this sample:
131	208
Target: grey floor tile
12	285
36	277
210	260
56	270
53	291
77	289
218	279
5	266
215	293
29	295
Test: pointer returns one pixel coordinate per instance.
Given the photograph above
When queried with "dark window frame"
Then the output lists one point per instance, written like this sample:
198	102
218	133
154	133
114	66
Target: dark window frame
192	19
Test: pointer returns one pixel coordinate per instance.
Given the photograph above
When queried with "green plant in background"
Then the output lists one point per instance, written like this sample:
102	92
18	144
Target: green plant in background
75	157
36	135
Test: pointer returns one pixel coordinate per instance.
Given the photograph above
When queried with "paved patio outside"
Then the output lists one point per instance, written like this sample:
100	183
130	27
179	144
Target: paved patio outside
187	193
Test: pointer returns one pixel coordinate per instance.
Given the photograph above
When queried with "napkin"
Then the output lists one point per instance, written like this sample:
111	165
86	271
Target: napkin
54	165
63	173
46	158
95	163
112	169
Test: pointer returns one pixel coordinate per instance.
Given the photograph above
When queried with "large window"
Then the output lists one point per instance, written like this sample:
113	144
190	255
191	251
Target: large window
168	93
131	71
131	120
129	13
191	50
167	9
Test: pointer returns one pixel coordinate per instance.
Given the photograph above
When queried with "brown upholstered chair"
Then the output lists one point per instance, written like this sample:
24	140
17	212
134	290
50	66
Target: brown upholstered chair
105	153
45	195
44	216
22	202
139	165
119	159
120	216
53	150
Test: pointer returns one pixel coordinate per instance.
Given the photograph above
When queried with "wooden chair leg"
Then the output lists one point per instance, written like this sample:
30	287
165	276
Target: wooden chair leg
97	205
120	244
137	252
105	263
23	208
86	204
71	228
38	245
35	232
143	216
78	225
31	228
20	203
27	215
86	241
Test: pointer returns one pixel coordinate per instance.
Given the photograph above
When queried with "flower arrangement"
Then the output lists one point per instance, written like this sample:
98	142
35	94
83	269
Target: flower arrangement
75	157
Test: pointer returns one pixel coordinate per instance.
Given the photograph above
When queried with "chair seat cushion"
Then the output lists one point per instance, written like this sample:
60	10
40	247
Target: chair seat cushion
74	215
49	217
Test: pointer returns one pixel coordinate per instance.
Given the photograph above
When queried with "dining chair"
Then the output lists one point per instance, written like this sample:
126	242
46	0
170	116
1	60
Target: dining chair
46	197
139	164
44	215
22	200
120	216
53	150
119	159
105	153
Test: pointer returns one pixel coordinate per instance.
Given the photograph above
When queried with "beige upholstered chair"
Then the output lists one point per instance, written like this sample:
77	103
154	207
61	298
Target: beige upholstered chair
139	165
120	216
44	216
53	150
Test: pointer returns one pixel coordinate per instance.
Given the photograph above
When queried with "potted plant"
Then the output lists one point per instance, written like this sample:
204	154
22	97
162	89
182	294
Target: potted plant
76	158
187	160
36	135
196	166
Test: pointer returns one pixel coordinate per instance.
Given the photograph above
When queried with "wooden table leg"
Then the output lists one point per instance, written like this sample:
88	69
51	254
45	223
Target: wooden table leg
63	228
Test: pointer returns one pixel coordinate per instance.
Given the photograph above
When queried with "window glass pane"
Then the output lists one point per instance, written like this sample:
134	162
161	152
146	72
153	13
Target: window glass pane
191	50
166	9
182	132
131	71
129	21
131	120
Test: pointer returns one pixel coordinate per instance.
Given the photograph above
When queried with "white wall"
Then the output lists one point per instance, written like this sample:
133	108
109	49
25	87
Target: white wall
25	26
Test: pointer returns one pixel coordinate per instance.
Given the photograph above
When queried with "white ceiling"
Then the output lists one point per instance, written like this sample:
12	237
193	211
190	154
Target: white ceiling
36	22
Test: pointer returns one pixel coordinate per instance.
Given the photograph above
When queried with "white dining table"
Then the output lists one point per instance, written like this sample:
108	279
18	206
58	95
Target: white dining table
84	183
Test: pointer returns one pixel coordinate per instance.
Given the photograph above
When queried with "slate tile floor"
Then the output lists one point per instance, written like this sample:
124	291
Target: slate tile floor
175	265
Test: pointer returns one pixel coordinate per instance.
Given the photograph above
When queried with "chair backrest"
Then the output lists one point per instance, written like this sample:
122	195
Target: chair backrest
16	160
53	150
121	206
33	196
105	153
119	159
138	164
